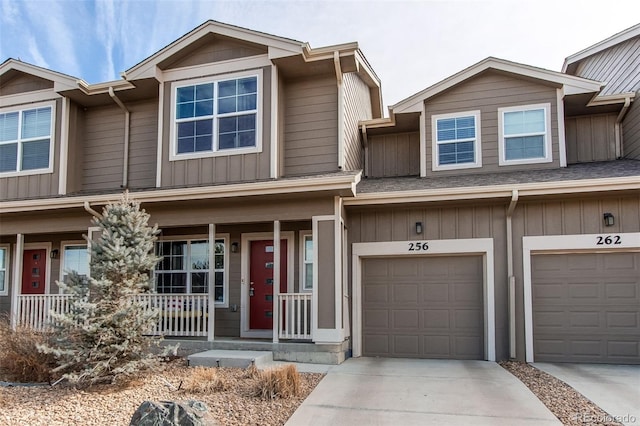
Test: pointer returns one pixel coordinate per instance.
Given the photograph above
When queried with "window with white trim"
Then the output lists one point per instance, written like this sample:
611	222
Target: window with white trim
185	268
456	140
215	117
4	275
525	134
306	261
75	257
26	140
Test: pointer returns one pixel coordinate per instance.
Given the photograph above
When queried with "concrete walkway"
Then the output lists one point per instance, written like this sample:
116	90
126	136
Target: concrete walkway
382	391
614	388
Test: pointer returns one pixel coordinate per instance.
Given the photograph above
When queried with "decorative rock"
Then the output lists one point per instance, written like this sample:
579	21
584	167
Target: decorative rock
171	413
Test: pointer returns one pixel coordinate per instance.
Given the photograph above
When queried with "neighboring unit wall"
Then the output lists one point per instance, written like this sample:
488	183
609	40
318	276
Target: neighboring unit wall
590	138
357	107
487	92
394	155
617	66
311	126
631	131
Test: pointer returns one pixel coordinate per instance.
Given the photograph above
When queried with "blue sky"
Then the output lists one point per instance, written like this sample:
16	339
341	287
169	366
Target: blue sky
410	44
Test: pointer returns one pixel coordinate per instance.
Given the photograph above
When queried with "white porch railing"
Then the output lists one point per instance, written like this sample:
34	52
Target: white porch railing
181	315
295	311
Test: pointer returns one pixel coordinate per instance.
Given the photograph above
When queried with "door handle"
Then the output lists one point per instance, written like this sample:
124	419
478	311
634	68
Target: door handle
251	291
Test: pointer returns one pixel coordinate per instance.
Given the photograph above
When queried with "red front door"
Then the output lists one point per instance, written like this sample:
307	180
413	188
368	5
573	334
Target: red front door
34	267
261	280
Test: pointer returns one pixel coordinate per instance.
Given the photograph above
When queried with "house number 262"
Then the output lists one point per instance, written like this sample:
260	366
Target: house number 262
419	246
608	240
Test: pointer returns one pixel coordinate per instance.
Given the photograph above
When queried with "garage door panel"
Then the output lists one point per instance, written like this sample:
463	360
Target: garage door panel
435	311
588	312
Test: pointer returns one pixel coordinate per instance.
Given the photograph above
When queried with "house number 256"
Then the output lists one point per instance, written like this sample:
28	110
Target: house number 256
419	246
608	240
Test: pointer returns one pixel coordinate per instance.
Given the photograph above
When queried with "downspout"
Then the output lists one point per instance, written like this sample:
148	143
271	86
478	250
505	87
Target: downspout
618	132
127	119
365	142
341	147
511	278
91	211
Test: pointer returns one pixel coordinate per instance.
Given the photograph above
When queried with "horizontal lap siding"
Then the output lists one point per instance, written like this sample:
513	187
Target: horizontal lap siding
631	131
223	168
143	140
357	107
487	92
394	155
590	138
103	148
310	126
39	185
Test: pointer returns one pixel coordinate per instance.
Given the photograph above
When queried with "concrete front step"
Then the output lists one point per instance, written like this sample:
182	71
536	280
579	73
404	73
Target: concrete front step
230	358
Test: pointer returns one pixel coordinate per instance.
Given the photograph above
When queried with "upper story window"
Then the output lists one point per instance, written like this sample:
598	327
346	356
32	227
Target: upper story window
525	134
185	268
216	117
26	140
456	141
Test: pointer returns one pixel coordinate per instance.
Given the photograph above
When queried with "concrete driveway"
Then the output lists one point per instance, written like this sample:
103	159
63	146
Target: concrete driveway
382	391
614	388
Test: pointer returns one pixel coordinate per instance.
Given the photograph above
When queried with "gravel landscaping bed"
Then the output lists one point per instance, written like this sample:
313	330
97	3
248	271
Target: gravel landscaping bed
109	405
568	405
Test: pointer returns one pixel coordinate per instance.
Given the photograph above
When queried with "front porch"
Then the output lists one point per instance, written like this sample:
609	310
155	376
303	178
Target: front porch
179	315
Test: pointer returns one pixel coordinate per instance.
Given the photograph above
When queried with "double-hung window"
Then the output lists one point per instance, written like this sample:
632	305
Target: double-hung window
216	117
456	141
4	276
185	268
26	140
75	257
524	134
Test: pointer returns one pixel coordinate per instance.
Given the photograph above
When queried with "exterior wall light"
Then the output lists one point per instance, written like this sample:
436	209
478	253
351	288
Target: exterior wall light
609	220
418	228
234	247
54	254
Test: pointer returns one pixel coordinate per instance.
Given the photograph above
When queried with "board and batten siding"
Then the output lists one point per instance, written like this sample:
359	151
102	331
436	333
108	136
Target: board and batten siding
212	48
618	66
223	168
311	126
631	131
357	107
487	92
23	83
590	138
37	185
392	155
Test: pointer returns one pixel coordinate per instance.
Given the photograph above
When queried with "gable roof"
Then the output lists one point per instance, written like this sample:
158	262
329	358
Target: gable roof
571	84
60	81
277	46
618	38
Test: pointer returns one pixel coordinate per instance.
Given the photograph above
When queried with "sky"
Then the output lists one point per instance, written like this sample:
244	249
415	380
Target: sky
411	45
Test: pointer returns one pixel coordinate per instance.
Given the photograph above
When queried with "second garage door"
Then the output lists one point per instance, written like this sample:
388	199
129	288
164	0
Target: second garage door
586	307
423	307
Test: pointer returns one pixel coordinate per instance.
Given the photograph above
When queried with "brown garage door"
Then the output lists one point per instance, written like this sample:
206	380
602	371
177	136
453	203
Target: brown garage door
423	307
586	307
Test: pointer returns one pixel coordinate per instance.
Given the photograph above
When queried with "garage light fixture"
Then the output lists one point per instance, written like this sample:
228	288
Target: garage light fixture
609	220
418	228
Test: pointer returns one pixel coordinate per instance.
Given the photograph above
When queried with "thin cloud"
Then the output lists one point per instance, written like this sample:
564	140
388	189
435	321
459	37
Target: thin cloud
36	55
106	32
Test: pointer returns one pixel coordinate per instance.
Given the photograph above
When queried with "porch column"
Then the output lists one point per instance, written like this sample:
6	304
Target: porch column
17	280
211	302
276	280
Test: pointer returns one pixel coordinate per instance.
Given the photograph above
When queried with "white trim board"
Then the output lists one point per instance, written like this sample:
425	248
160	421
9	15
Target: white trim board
471	246
245	251
585	243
